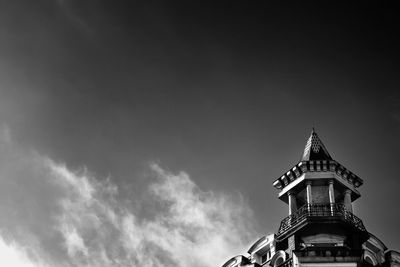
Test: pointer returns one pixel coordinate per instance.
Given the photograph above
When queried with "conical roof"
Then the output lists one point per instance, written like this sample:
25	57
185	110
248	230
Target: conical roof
315	149
316	158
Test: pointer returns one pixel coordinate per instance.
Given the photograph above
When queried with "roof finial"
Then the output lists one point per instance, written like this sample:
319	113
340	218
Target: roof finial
313	130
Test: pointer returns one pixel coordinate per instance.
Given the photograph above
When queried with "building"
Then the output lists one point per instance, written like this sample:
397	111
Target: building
321	229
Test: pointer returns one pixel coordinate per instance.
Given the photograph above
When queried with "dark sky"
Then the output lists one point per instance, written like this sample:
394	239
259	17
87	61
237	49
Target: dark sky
226	91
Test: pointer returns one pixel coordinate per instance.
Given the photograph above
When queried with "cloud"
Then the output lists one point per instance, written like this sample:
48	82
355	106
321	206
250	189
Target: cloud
12	254
55	216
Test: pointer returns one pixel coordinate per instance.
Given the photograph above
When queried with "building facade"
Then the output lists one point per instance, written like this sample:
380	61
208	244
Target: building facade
320	229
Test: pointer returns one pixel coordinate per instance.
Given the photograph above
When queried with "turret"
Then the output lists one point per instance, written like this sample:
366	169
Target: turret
320	229
319	192
317	179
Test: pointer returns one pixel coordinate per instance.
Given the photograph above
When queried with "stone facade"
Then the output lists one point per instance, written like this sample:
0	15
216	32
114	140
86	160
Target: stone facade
321	229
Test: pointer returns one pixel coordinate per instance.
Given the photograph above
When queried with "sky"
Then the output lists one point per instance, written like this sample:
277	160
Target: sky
148	133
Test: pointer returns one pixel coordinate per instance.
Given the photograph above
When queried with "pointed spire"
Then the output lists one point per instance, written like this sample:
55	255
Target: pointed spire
315	149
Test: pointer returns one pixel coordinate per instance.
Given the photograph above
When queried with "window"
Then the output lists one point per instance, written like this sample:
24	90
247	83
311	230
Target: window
266	256
369	261
278	261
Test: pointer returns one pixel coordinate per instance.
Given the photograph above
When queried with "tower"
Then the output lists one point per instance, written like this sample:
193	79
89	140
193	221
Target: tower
321	225
321	228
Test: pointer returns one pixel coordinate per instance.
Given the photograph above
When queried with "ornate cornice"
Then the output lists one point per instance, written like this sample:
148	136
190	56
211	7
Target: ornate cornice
317	166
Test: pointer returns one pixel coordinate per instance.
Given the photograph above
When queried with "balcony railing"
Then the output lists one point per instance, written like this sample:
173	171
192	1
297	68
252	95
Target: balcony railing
320	210
328	251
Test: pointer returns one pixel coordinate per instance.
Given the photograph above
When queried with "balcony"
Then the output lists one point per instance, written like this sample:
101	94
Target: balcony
328	251
318	211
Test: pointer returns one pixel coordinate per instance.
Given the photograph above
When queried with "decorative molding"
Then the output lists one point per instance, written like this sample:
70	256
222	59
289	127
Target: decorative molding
317	166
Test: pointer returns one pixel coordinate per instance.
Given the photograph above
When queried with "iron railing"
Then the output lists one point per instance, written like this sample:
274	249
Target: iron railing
307	211
328	251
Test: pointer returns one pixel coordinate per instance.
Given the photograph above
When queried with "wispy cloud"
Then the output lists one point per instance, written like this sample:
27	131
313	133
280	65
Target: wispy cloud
13	254
54	216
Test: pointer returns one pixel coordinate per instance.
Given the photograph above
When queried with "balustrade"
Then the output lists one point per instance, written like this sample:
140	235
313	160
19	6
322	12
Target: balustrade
319	210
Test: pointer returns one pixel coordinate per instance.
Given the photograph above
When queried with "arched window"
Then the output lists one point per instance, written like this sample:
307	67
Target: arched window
370	259
278	258
278	261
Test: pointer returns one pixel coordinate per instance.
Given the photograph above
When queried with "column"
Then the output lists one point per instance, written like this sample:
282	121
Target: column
292	202
331	195
309	194
347	200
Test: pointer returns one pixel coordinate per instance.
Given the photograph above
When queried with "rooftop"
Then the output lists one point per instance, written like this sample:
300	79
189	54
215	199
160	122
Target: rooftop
315	149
